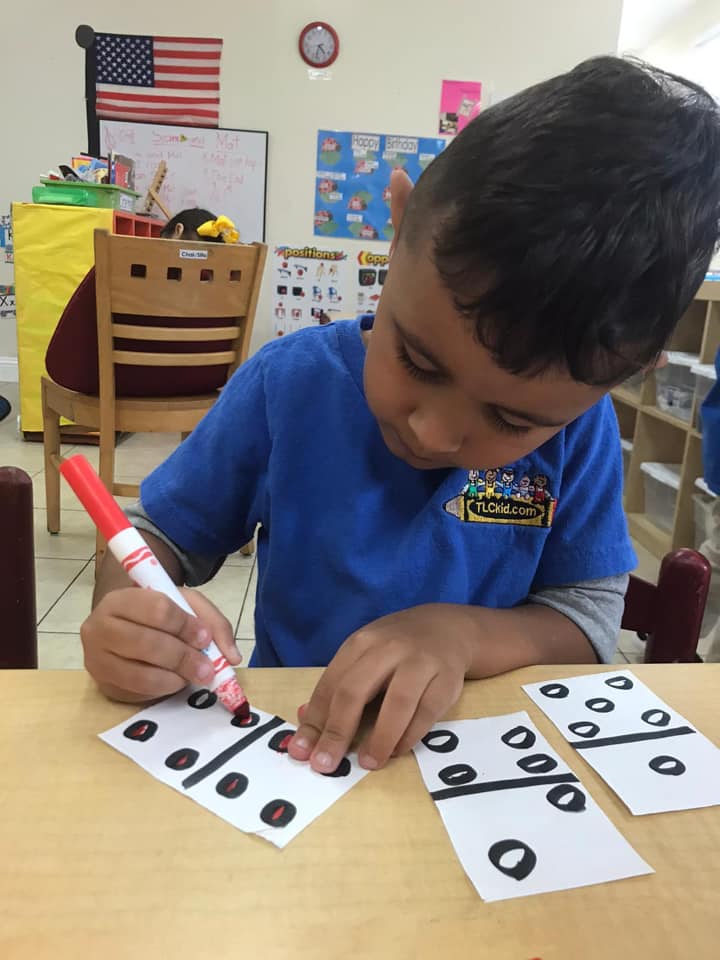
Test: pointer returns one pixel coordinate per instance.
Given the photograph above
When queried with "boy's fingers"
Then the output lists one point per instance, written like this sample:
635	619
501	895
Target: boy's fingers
399	707
140	678
219	627
436	700
148	647
355	689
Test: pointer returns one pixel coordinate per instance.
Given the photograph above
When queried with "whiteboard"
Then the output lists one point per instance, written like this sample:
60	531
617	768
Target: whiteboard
222	170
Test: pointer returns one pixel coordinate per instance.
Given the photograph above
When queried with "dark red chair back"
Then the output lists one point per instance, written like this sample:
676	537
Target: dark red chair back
669	614
18	649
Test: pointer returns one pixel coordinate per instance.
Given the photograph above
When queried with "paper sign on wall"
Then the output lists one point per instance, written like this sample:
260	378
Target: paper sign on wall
352	180
6	237
459	104
368	279
309	287
7	301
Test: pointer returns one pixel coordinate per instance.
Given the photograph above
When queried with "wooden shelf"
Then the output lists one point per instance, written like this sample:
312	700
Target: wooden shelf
659	436
625	396
652	411
652	537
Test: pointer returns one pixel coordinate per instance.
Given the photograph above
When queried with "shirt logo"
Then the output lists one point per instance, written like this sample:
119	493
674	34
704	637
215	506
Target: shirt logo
497	496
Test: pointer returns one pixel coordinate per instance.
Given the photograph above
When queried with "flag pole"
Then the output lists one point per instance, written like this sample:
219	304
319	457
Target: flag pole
85	38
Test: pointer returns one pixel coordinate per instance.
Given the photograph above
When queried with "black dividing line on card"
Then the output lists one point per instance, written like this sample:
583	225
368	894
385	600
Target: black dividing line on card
491	786
631	738
229	752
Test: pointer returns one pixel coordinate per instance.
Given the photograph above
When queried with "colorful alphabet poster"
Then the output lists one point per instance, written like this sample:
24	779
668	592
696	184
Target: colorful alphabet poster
459	104
369	273
308	288
352	183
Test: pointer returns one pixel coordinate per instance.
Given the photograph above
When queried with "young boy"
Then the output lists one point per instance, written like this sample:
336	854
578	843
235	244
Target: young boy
543	257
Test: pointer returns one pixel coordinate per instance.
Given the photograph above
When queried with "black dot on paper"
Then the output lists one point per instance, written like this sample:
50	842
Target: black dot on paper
519	738
341	770
668	766
656	718
567	797
251	720
558	691
232	785
182	759
513	858
458	774
278	813
202	699
600	705
141	730
537	763
620	683
584	728
279	741
441	741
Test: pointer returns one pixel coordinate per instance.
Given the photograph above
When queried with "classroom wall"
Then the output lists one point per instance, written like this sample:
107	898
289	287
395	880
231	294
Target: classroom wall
387	79
674	48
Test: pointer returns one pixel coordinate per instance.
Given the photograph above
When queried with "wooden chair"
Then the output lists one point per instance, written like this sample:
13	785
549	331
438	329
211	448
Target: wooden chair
17	571
143	278
668	615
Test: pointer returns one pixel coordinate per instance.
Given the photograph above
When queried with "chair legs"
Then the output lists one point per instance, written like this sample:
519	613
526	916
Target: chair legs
51	448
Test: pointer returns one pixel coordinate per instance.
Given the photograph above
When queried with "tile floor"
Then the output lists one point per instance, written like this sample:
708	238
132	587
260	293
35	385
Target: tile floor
65	566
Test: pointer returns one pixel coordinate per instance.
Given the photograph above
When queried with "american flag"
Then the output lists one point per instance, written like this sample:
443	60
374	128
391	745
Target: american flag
158	79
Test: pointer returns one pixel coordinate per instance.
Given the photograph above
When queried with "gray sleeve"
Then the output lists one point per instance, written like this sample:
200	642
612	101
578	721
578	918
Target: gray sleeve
595	606
197	569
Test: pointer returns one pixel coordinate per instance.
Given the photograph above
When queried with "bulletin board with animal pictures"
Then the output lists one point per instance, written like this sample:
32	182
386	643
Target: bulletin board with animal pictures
309	287
352	182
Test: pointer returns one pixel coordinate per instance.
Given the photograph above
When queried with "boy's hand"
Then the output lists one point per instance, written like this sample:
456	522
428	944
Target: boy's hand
419	656
139	645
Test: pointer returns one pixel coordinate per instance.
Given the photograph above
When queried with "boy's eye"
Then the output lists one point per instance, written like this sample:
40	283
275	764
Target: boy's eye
504	426
426	374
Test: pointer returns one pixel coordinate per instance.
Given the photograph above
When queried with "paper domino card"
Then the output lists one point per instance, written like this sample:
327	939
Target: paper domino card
652	758
520	820
238	769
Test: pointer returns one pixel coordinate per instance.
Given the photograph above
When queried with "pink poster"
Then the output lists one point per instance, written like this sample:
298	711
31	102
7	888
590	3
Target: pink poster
459	103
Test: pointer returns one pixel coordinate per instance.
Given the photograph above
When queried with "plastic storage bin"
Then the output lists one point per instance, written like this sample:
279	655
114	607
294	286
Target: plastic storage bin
675	384
661	482
705	378
627	447
77	193
703	503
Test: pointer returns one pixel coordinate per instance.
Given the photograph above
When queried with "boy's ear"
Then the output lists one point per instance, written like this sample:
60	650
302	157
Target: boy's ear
178	231
401	186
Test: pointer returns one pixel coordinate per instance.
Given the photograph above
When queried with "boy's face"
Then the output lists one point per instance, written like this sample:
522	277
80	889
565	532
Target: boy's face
438	396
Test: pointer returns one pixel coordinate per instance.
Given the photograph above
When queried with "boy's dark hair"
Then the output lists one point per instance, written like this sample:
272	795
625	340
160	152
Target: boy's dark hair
574	222
191	219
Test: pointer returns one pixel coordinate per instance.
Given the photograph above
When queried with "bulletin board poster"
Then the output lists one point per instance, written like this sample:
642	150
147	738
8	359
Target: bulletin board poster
459	104
6	237
352	181
369	273
309	287
7	301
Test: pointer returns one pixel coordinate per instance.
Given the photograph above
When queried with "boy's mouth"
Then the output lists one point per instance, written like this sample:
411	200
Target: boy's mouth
399	448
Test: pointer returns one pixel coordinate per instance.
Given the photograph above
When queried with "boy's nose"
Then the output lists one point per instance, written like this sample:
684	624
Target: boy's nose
432	435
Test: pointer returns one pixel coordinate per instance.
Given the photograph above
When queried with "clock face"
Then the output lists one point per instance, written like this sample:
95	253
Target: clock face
319	45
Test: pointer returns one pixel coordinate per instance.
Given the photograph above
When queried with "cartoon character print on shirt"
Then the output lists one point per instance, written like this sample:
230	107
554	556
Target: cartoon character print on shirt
499	495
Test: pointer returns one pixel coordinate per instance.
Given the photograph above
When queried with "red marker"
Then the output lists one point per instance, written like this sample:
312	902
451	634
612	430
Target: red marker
142	566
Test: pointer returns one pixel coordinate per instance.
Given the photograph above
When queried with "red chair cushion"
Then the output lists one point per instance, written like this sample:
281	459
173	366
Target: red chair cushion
72	355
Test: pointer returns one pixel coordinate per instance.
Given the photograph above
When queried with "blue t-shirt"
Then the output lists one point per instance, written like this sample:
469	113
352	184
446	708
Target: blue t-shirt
348	532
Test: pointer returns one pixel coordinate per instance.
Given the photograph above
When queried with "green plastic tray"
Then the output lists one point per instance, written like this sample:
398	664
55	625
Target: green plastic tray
77	193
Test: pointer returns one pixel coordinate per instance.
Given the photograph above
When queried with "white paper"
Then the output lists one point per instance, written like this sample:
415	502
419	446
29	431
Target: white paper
257	777
530	826
666	765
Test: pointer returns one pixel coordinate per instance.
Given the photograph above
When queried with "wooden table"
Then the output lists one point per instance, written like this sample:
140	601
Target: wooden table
99	860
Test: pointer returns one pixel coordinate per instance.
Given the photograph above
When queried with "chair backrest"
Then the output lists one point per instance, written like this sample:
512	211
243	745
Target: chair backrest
670	613
17	571
177	281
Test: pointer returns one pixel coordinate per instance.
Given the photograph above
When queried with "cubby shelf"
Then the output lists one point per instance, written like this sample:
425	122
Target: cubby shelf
659	436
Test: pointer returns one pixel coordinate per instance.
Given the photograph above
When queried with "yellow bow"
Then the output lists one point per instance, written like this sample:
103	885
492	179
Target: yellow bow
222	227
